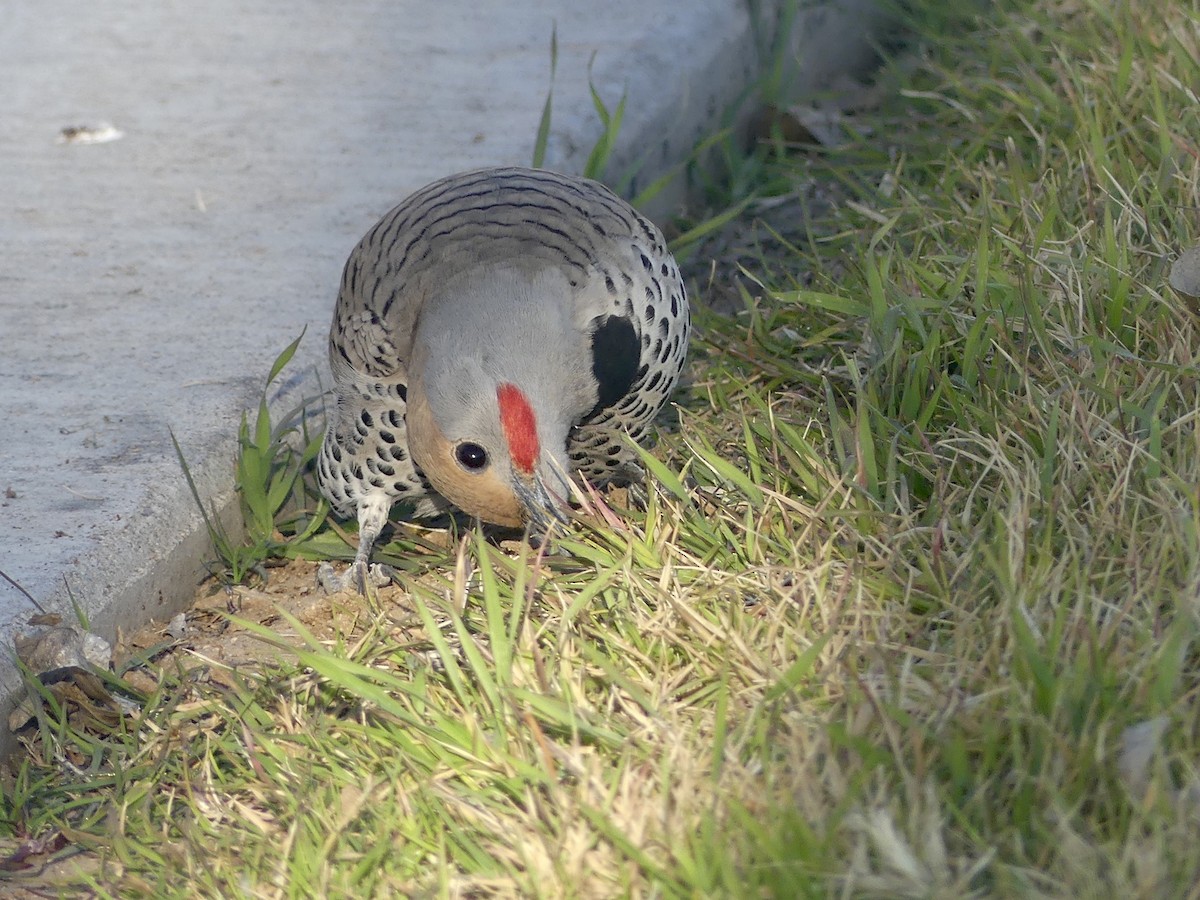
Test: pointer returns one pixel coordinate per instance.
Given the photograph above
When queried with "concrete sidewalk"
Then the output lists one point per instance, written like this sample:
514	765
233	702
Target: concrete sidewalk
147	284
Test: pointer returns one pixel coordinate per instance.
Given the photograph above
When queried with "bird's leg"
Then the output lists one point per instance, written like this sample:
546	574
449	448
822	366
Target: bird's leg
372	516
638	498
542	540
632	477
361	569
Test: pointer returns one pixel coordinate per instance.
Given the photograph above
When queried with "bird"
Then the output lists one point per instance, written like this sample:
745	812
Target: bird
497	335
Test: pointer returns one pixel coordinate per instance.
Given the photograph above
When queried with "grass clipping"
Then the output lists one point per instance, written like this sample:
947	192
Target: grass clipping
911	610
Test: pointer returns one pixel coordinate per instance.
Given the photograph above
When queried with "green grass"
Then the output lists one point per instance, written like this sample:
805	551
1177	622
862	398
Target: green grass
282	515
917	576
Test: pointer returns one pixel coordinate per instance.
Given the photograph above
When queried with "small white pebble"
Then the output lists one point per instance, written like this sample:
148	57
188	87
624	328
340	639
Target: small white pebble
101	133
177	627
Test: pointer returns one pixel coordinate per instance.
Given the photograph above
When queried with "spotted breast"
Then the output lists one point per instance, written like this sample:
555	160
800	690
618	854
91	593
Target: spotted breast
495	335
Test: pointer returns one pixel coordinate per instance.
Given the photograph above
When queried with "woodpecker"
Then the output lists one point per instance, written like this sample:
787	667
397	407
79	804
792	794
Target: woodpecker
496	334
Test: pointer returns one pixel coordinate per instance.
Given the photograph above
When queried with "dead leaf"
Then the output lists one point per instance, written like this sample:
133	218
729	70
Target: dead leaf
1139	744
811	125
61	647
22	857
87	703
1185	274
65	658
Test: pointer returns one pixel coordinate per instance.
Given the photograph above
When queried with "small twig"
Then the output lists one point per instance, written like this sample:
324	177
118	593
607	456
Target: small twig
28	595
80	494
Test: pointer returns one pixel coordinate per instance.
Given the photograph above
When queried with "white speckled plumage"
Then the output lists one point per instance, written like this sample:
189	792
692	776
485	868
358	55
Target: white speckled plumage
515	316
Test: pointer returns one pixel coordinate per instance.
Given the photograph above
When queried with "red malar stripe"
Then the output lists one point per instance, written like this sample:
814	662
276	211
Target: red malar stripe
520	427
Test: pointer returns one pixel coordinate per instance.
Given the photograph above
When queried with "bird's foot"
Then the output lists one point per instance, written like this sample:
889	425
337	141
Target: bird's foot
632	477
356	577
545	543
636	496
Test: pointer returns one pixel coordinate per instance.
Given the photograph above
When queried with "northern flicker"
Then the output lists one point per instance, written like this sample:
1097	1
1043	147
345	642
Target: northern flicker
495	334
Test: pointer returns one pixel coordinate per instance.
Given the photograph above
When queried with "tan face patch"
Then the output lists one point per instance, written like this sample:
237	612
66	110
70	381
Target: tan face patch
485	494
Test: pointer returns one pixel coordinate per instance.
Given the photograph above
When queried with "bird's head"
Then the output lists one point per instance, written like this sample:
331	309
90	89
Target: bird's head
488	454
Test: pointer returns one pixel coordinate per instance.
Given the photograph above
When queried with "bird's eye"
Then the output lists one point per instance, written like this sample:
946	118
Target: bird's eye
471	457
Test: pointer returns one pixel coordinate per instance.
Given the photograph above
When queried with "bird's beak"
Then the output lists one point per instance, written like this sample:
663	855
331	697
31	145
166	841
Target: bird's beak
544	508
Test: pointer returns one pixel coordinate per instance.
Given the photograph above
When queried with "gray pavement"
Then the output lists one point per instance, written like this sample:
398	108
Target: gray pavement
147	284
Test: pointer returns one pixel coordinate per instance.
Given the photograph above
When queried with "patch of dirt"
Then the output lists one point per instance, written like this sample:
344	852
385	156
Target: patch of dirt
217	629
214	632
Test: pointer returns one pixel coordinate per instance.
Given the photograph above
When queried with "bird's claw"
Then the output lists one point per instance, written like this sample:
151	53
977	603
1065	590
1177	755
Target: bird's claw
639	499
355	578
